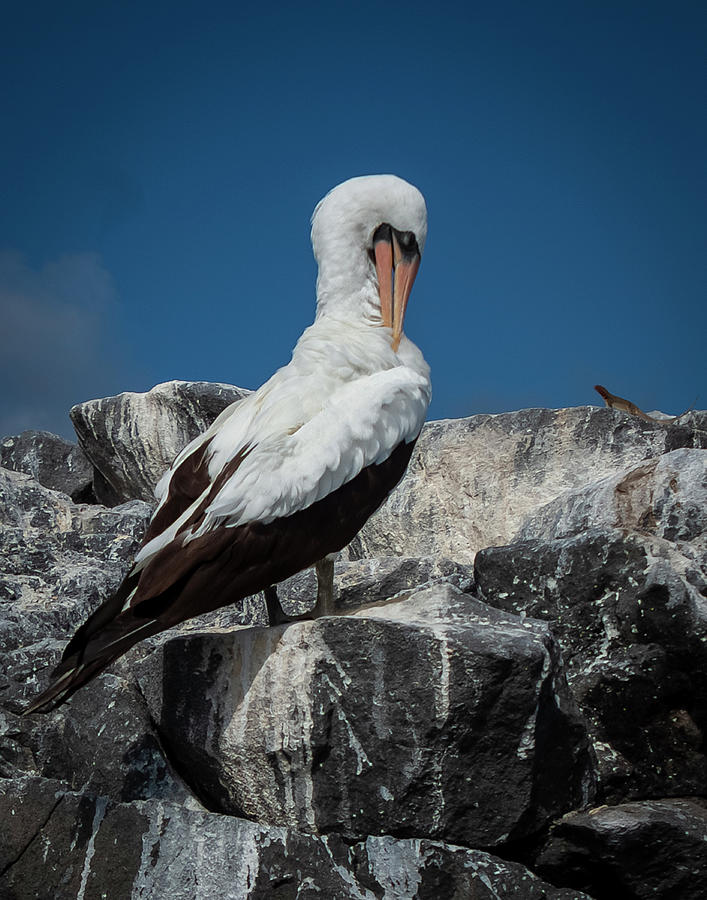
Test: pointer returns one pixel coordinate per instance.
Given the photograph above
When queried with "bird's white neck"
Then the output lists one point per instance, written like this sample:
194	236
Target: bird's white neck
353	348
346	284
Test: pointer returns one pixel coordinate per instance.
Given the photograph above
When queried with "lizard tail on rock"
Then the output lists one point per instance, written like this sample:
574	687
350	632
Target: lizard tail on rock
626	406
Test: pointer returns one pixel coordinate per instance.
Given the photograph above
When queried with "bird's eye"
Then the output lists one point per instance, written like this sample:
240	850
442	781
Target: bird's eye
407	243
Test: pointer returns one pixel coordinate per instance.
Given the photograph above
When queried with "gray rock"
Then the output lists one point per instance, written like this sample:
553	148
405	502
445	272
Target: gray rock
132	439
629	612
654	849
59	561
473	482
357	583
432	717
665	496
54	462
435	716
65	846
103	741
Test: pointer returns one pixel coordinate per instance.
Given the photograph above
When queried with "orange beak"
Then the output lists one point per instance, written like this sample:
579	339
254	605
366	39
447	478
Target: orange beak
396	270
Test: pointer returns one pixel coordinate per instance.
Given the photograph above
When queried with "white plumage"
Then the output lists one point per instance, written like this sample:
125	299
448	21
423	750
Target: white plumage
346	399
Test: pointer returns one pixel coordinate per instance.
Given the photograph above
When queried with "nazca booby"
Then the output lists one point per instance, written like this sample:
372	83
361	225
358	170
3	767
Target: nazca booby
286	477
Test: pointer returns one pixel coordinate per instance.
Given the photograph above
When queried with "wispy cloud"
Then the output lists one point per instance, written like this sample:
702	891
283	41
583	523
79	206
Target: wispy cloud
52	338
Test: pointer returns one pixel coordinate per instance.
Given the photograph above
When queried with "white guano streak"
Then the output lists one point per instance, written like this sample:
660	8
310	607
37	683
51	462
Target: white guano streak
442	686
441	689
527	738
396	865
282	684
150	840
101	804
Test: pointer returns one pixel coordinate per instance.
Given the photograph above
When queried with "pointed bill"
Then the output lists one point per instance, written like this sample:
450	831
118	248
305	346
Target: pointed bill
383	249
406	265
396	268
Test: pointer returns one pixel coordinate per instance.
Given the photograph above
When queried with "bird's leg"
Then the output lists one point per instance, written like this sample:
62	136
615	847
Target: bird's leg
325	587
276	614
325	596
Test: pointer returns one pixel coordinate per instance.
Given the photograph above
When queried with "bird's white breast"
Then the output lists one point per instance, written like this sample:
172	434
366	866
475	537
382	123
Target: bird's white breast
339	406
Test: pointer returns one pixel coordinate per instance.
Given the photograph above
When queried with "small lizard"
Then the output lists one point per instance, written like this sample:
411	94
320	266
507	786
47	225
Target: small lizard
626	406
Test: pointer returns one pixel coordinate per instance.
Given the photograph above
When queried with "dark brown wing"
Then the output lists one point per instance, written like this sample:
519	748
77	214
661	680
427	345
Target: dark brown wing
187	484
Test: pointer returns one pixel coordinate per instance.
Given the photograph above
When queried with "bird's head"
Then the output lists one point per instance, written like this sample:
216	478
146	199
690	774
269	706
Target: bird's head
368	234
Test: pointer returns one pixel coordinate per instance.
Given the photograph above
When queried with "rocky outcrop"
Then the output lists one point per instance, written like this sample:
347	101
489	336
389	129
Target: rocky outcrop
521	635
66	845
634	632
665	497
472	483
299	725
132	438
618	568
59	560
52	461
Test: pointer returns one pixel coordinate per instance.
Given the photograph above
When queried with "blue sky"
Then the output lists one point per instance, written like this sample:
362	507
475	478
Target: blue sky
160	162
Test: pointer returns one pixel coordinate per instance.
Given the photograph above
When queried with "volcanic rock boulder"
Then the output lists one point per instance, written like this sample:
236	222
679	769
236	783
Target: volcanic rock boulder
619	569
665	497
131	439
633	631
68	845
52	461
652	850
435	716
60	560
473	482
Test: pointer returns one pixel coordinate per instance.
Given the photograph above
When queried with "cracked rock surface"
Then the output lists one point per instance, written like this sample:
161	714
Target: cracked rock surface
627	604
521	637
472	483
52	461
90	847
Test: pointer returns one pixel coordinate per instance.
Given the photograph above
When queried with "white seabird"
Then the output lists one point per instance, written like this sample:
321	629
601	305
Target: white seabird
286	477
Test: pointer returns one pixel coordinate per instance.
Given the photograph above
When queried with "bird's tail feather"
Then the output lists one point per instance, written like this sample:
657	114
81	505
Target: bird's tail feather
105	614
73	672
105	636
63	687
